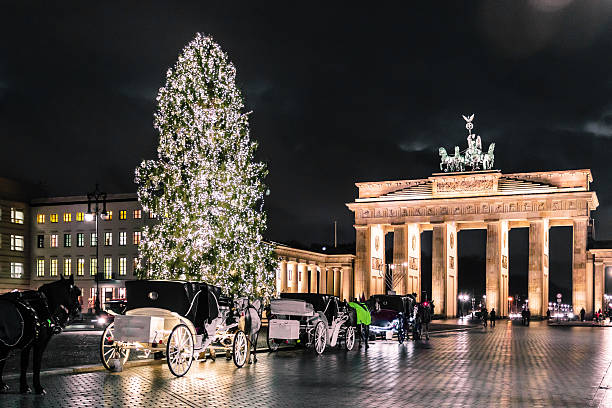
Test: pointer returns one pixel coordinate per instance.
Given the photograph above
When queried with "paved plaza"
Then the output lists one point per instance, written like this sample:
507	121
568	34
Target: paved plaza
509	365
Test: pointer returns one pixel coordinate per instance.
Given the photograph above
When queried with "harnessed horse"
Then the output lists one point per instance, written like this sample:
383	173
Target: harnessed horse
29	319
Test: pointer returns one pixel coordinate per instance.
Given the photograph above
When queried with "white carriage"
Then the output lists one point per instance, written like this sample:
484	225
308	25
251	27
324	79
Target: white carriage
181	320
310	319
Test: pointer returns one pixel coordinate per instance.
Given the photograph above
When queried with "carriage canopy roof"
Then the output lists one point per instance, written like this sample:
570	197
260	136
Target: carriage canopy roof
395	302
318	301
175	296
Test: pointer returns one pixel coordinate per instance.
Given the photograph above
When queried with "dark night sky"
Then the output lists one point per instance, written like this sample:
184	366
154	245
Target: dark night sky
339	94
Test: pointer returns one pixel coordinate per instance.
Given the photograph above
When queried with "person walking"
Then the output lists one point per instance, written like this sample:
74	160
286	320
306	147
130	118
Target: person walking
425	320
493	317
485	316
364	319
582	313
528	314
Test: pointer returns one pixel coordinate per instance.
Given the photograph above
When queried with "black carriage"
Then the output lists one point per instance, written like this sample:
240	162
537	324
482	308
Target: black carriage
179	318
392	314
311	319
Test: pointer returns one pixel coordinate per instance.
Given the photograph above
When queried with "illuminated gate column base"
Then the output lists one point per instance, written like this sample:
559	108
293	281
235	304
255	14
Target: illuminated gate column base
497	267
537	286
582	282
444	269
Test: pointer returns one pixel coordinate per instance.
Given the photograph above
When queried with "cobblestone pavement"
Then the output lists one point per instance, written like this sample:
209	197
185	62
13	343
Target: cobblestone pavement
509	365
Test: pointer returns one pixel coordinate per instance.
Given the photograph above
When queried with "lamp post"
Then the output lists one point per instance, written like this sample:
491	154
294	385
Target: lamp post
96	197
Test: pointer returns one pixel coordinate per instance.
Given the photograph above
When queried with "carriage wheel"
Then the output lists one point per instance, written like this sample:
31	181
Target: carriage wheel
349	338
240	348
179	350
272	343
110	349
320	338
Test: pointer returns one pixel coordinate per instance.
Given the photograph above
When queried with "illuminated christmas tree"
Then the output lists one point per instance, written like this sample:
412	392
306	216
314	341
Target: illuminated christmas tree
205	187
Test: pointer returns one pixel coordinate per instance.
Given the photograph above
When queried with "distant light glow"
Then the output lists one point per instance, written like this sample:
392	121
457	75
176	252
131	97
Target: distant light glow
89	217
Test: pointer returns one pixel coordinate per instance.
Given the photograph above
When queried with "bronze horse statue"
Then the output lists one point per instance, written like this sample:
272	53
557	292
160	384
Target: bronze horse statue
29	319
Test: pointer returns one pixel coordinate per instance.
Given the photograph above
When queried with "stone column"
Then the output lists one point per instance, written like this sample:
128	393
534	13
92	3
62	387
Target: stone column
400	259
444	269
337	282
313	278
600	284
283	273
302	278
452	268
323	280
497	267
582	284
329	277
292	276
537	286
377	262
413	268
363	252
347	273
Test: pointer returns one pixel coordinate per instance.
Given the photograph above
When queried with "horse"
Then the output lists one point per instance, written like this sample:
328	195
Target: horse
446	161
29	319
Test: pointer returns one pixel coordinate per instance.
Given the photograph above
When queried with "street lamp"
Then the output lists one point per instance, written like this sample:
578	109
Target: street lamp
510	299
96	197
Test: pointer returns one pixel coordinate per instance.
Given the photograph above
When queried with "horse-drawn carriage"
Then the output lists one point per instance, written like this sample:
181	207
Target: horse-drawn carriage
311	319
180	319
392	314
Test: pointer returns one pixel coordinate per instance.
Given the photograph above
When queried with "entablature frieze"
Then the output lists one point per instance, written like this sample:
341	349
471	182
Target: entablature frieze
489	208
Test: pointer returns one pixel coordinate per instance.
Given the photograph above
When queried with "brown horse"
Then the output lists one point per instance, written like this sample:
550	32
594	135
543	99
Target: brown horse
29	319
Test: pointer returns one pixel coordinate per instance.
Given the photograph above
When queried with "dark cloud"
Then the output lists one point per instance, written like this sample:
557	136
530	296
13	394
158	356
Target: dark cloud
339	94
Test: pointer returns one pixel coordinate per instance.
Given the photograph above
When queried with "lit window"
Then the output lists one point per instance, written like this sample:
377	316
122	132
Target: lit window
67	240
53	268
122	238
122	265
108	267
123	215
80	239
53	217
93	266
40	241
80	266
121	293
40	219
108	238
109	216
93	240
16	270
79	216
67	266
67	217
16	216
135	266
137	214
151	214
16	242
54	242
137	237
40	267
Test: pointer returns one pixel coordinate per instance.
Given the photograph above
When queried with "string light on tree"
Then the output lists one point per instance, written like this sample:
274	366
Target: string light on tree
205	186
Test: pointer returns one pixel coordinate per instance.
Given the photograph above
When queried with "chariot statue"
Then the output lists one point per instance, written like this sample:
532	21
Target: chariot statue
471	158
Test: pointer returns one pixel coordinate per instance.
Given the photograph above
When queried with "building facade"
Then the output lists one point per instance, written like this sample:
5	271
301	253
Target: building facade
446	203
63	242
304	271
14	232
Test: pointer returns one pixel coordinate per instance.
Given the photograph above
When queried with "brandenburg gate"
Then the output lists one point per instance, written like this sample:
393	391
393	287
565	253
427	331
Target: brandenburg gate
447	203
